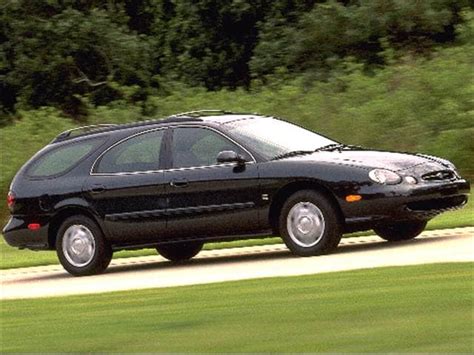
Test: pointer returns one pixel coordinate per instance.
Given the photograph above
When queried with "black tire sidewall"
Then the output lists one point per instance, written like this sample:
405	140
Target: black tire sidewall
332	232
400	231
102	252
177	252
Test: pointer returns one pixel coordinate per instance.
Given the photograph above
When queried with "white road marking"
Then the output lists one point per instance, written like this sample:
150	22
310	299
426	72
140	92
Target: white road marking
453	245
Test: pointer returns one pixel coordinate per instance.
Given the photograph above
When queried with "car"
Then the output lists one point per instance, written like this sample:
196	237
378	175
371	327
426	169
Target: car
209	176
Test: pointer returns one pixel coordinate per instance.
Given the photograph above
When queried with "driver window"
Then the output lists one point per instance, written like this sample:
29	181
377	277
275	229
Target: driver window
194	147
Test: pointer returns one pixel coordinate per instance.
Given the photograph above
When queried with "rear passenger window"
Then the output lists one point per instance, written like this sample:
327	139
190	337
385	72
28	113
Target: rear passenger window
63	158
137	154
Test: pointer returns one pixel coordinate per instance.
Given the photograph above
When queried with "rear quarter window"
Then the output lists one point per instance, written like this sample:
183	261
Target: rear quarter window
59	160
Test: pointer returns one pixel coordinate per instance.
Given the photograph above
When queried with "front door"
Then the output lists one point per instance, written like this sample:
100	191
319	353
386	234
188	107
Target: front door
127	188
207	198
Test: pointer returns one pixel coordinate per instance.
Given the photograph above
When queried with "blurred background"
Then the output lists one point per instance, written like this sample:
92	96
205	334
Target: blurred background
388	74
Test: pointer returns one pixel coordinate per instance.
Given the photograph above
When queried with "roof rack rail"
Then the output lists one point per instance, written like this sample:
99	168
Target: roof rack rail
85	129
200	113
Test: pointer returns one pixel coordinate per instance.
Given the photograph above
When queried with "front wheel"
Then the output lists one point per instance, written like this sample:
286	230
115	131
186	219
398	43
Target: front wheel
180	251
309	223
395	232
81	247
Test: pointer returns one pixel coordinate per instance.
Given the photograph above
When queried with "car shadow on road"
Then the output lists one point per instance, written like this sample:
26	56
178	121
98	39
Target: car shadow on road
265	254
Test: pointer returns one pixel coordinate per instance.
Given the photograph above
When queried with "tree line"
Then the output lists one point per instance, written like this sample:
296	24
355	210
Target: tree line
70	54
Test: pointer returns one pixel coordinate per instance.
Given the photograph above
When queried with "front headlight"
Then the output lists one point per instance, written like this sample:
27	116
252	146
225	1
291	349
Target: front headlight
385	177
411	180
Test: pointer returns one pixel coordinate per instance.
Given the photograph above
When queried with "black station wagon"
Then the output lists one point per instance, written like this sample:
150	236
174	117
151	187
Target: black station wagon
176	183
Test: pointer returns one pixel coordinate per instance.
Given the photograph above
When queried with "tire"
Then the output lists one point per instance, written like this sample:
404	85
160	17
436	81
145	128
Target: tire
401	230
180	251
309	224
81	247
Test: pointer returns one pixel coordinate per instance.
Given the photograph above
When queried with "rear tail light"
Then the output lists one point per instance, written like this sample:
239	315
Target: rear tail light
10	200
34	226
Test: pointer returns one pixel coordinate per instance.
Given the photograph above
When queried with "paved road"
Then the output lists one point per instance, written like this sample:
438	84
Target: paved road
452	245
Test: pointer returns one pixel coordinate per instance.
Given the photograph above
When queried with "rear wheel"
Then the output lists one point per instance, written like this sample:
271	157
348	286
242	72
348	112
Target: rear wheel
180	251
81	247
309	224
395	232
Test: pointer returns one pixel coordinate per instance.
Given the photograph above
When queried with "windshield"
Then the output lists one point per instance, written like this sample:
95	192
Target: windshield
272	138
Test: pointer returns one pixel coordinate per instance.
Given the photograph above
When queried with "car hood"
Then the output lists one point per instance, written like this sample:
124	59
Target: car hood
372	159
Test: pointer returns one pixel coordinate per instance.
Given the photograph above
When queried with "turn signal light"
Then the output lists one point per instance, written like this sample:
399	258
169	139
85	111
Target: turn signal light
353	198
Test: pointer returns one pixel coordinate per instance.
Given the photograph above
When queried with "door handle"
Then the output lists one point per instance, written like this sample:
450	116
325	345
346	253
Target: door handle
97	189
179	183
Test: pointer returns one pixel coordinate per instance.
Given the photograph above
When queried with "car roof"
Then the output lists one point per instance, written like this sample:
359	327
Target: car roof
211	117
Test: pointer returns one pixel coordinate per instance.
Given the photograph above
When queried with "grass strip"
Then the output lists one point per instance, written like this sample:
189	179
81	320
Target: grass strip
425	308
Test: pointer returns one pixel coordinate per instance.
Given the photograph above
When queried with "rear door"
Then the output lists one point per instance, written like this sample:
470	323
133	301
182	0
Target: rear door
207	198
127	188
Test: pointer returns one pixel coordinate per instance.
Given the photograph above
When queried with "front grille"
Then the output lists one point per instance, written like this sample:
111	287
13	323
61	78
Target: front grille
441	175
439	204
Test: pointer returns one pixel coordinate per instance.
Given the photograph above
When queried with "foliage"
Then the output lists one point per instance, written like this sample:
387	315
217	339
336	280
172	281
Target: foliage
56	53
74	54
209	43
334	30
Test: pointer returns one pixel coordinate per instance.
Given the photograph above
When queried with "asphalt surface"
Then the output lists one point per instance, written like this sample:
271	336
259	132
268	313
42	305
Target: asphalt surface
449	245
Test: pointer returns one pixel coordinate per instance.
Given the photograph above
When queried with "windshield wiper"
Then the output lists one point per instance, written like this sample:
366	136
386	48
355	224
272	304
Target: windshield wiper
291	154
326	148
336	146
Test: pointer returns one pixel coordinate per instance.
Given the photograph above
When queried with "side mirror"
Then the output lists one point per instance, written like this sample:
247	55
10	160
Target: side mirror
229	156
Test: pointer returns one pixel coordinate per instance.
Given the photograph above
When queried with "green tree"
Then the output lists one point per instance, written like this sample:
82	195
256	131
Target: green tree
58	51
209	42
72	54
319	39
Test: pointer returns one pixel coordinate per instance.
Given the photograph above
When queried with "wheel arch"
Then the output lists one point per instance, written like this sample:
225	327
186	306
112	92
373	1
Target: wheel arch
64	213
286	191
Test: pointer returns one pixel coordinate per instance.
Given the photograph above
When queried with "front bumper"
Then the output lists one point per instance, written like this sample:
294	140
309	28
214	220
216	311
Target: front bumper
404	202
17	234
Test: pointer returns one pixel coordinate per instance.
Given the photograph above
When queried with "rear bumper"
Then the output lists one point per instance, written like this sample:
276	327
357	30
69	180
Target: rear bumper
380	204
17	234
